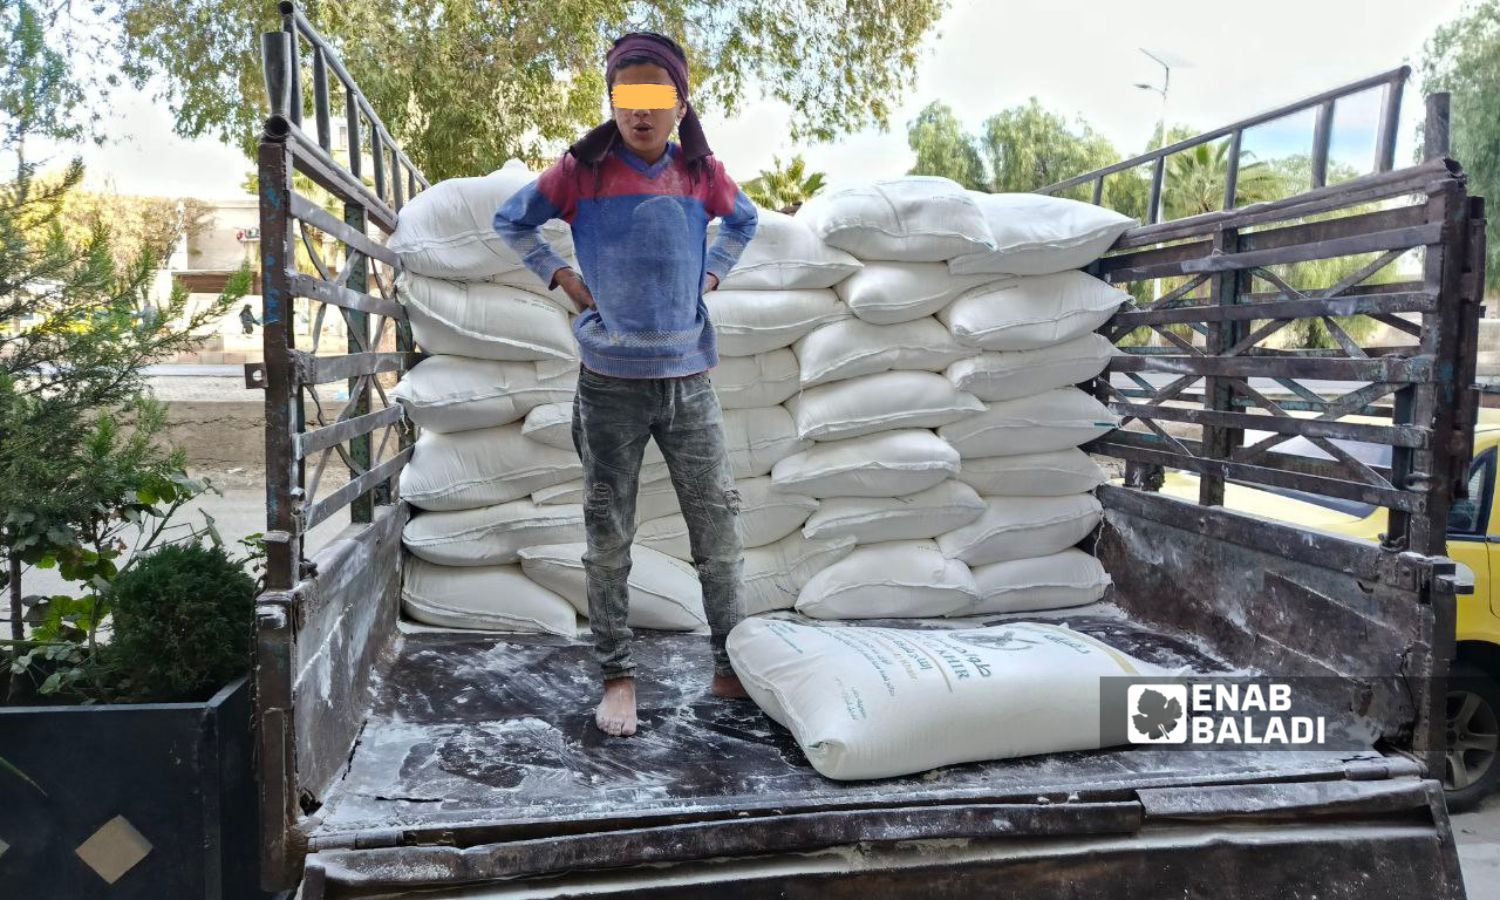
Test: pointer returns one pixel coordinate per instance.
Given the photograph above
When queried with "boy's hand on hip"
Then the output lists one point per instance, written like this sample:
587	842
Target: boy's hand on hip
710	282
577	291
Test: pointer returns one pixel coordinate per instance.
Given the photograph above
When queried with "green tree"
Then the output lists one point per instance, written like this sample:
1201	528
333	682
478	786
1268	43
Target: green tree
1028	147
1196	179
77	448
944	148
465	84
783	185
1463	57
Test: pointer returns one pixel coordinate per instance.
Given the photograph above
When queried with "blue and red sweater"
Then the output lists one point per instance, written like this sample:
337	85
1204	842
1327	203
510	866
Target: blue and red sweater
643	247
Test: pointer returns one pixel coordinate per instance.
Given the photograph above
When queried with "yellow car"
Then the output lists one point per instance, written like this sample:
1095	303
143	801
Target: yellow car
1473	769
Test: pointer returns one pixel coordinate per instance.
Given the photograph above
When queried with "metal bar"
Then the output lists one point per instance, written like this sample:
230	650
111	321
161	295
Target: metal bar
398	186
357	323
275	55
1232	174
278	253
309	369
1435	129
1386	369
1362	304
1116	445
377	155
315	163
1219	442
1322	137
1394	239
1356	87
326	292
294	67
320	99
1390	122
1365	189
356	487
1391	435
356	143
1158	175
311	442
318	217
1098	190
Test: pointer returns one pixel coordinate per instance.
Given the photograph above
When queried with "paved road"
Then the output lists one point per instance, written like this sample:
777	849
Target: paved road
1478	835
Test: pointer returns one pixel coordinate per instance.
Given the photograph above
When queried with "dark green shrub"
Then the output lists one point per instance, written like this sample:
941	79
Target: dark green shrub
182	623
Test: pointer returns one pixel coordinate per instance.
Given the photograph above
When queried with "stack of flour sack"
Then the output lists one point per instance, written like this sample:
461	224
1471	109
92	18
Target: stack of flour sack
897	370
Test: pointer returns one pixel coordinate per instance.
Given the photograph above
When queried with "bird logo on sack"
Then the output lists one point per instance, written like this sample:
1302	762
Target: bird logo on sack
1218	714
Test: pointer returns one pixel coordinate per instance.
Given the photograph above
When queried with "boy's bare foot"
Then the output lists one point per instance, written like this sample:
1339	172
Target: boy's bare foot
729	687
616	712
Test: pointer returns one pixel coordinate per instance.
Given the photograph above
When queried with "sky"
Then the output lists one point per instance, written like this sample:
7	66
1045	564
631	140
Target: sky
1078	57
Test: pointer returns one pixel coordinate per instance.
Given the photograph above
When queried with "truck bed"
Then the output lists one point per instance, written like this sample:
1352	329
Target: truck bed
492	732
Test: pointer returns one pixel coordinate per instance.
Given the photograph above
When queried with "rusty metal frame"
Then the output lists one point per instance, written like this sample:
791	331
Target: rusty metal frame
345	612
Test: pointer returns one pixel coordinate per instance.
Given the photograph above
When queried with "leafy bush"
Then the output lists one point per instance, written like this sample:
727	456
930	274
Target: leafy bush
183	619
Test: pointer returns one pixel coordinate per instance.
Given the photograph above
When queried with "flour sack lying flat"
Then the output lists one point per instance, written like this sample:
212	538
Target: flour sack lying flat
1033	312
1051	474
868	702
889	464
664	592
455	393
993	375
851	347
919	218
1021	527
901	579
1038	235
887	293
883	402
482	467
765	379
871	520
1058	581
775	574
484	321
785	254
1055	420
490	535
486	598
751	322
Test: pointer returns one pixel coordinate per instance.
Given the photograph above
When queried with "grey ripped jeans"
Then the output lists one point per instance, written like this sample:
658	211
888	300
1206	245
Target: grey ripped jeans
612	419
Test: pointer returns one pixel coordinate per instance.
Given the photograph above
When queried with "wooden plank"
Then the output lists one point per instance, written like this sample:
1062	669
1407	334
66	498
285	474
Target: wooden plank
319	218
1393	435
1394	239
341	498
1245	472
1417	368
309	369
337	295
311	442
1366	304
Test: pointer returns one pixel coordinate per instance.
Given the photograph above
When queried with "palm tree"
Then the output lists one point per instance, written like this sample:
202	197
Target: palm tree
784	187
1196	178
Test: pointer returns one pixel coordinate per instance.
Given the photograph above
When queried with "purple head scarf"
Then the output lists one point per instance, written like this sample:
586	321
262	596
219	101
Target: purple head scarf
662	50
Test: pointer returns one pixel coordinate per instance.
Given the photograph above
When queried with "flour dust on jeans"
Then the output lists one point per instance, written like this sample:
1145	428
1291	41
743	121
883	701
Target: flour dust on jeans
612	420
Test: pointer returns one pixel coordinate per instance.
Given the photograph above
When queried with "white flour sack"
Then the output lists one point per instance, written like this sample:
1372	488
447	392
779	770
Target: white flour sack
482	467
447	231
1028	313
786	255
919	218
664	592
880	702
455	393
889	464
653	499
765	379
758	438
551	424
1051	474
767	514
489	598
852	347
1055	420
1058	581
871	520
490	535
751	322
1038	235
882	402
773	575
484	321
887	293
902	579
1005	376
1021	527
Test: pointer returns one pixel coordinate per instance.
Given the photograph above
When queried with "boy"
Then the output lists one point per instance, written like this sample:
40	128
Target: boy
639	205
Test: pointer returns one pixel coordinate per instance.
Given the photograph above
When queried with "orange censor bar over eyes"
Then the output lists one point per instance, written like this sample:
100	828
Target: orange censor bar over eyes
644	96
